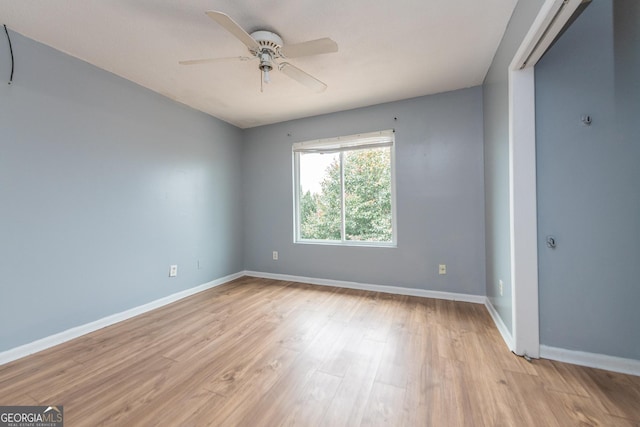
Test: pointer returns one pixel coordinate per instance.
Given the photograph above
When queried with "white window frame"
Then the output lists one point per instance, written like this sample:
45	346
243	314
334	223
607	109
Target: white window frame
341	144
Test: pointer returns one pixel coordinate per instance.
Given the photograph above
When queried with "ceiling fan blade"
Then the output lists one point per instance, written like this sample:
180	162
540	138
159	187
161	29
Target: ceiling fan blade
233	27
301	77
209	60
312	47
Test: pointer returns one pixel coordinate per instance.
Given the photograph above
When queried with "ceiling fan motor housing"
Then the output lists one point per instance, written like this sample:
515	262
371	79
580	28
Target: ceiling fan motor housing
268	41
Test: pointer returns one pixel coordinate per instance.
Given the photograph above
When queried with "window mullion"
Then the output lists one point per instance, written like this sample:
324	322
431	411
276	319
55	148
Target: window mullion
297	189
342	199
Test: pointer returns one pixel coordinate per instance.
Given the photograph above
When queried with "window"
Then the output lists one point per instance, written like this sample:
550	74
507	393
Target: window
344	190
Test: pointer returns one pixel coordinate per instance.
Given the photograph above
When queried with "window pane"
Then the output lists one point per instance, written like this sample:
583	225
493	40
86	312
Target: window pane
320	198
367	187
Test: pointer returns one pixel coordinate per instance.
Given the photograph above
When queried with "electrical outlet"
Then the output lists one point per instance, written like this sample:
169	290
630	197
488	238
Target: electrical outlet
501	287
442	269
275	255
173	271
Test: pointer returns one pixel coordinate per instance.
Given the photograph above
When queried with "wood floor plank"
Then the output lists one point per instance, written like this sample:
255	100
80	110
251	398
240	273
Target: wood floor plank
30	379
260	352
312	403
273	407
449	389
394	368
267	372
560	377
420	346
385	406
188	408
23	400
617	392
350	401
344	351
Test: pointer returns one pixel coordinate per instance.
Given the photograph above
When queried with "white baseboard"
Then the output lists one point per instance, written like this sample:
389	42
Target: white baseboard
591	360
477	299
69	334
502	328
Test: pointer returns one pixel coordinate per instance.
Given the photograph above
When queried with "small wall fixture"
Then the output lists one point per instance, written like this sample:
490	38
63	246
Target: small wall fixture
586	119
551	242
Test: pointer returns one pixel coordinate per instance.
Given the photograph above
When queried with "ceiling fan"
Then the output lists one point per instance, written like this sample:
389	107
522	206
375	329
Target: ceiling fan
269	49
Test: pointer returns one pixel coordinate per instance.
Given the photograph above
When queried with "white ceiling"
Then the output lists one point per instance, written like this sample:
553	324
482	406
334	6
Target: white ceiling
388	49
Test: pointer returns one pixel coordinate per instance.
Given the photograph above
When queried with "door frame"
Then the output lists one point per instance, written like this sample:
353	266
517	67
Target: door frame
550	21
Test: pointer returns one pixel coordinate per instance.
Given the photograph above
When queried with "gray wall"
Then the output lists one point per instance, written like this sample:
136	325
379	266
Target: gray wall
103	185
496	159
589	183
440	199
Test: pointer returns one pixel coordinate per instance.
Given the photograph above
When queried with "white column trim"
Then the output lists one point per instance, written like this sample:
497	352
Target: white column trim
523	212
551	18
522	181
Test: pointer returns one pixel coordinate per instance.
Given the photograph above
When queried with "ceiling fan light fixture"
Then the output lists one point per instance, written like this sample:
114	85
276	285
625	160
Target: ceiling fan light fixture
266	65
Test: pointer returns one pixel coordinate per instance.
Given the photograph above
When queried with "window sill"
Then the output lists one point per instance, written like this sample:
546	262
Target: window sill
389	245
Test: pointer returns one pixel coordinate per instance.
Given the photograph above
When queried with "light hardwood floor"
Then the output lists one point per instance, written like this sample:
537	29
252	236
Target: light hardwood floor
259	352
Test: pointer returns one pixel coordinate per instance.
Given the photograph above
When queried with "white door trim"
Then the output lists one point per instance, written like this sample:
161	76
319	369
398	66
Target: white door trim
523	212
551	19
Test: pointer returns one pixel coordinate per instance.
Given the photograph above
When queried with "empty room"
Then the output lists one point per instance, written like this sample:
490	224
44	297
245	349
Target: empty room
307	213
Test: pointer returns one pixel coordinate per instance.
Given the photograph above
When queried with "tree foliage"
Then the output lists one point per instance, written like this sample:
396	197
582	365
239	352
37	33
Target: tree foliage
367	199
